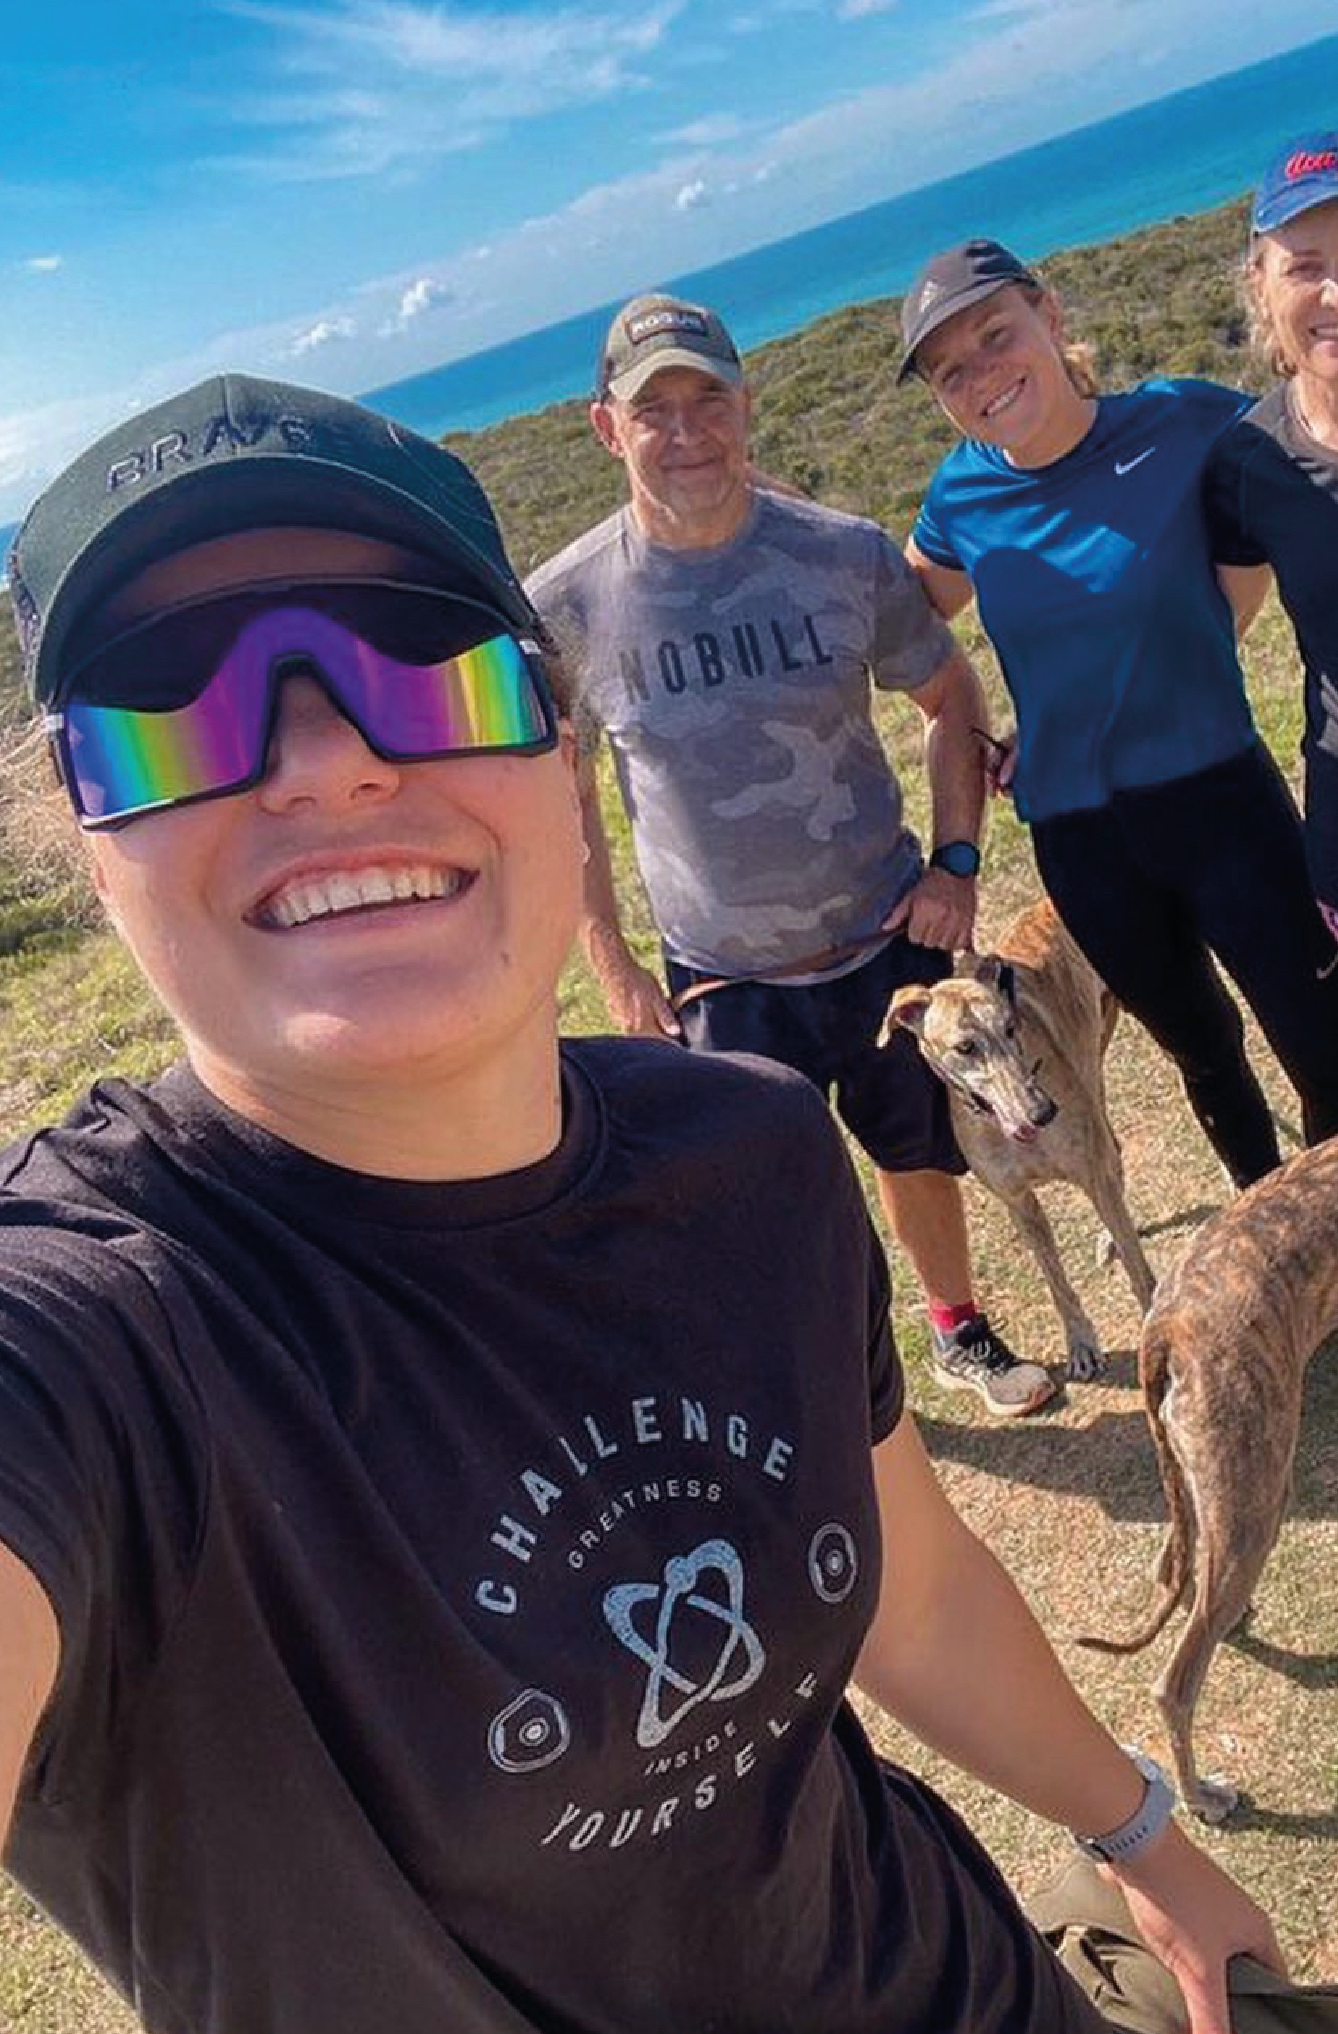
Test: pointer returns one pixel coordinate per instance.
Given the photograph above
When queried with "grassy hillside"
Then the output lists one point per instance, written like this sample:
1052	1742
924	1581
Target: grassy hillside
1070	1501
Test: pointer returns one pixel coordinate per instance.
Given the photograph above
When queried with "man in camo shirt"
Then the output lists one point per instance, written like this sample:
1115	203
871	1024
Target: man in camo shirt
724	636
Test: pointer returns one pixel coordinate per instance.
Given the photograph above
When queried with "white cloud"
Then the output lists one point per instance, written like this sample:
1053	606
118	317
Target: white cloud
1017	71
713	130
376	87
325	332
34	443
425	293
689	196
422	296
753	22
43	264
858	10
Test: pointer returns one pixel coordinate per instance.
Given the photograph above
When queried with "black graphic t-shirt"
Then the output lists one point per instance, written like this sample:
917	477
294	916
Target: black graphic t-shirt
1272	499
458	1585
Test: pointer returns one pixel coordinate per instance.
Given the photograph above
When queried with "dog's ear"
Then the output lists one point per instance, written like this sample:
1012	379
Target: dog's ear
909	1007
993	973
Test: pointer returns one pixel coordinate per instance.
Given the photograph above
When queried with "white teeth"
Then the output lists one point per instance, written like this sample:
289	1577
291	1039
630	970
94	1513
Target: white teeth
346	895
354	889
1001	402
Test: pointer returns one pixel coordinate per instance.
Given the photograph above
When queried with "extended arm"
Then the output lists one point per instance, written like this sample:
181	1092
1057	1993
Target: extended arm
636	999
951	1625
950	591
941	909
29	1656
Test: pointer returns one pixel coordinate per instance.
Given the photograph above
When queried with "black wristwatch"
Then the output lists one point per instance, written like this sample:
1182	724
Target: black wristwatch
958	857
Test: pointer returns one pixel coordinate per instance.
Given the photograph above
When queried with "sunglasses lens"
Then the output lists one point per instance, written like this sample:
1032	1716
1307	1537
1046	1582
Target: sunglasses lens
120	761
486	698
196	689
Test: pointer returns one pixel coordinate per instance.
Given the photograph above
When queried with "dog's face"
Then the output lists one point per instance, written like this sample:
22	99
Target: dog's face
968	1031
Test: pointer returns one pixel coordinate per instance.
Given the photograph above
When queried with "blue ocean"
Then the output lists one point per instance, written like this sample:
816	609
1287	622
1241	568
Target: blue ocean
1176	155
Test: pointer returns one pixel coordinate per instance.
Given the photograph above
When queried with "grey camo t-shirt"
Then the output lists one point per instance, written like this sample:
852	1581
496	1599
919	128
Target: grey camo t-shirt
733	685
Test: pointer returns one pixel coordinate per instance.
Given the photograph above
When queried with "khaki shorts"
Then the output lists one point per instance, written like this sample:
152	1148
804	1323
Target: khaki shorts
1084	1918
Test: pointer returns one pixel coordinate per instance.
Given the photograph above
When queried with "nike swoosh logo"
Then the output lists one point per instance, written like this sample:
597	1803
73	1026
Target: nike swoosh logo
1123	466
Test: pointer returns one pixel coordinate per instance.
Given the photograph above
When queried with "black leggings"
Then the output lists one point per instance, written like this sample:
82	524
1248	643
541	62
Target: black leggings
1156	882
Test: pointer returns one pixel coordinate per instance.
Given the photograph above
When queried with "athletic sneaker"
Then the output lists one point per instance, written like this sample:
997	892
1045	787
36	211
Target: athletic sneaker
973	1358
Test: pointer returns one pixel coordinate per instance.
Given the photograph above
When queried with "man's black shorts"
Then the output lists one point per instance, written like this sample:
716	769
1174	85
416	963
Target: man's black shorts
891	1103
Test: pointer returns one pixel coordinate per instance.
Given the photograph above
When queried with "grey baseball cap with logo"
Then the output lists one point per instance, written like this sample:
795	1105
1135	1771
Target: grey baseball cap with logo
658	331
236	453
953	282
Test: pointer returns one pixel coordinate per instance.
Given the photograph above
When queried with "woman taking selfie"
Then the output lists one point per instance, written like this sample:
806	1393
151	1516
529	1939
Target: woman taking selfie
449	1475
1162	828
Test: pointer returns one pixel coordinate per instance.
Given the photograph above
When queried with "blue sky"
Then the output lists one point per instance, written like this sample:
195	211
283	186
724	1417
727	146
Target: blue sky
348	191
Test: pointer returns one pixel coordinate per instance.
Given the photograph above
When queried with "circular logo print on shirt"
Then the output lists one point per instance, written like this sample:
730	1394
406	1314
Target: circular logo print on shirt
529	1733
832	1563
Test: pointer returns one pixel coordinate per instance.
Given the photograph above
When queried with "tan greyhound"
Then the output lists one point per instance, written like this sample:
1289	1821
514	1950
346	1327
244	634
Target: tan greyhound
1019	1037
1223	1361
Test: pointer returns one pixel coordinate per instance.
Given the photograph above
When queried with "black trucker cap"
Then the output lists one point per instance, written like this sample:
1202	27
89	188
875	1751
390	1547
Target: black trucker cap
234	453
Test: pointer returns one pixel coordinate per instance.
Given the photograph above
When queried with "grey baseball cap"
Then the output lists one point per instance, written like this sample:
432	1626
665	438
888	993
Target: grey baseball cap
953	282
658	331
234	453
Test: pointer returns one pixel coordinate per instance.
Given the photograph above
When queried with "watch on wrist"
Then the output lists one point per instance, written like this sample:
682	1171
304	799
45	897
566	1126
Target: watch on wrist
958	857
1149	1819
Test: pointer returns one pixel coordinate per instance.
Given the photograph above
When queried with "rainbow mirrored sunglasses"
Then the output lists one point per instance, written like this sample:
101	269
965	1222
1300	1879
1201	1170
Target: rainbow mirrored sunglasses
181	706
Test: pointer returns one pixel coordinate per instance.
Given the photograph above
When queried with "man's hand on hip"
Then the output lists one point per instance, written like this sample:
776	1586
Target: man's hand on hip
939	911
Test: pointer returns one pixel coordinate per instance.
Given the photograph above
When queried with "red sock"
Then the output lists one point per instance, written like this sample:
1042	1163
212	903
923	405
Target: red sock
948	1318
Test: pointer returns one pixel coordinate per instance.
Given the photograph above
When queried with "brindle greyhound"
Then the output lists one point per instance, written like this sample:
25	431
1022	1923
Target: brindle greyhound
1019	1036
1223	1361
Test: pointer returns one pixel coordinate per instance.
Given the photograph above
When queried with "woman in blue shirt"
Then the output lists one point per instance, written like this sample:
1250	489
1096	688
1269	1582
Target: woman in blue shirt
1162	828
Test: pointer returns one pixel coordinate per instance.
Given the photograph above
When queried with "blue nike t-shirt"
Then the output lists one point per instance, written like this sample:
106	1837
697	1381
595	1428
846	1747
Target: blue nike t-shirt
1095	583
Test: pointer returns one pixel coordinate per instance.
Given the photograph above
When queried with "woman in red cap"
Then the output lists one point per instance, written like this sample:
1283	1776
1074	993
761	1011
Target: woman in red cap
1272	479
1162	828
